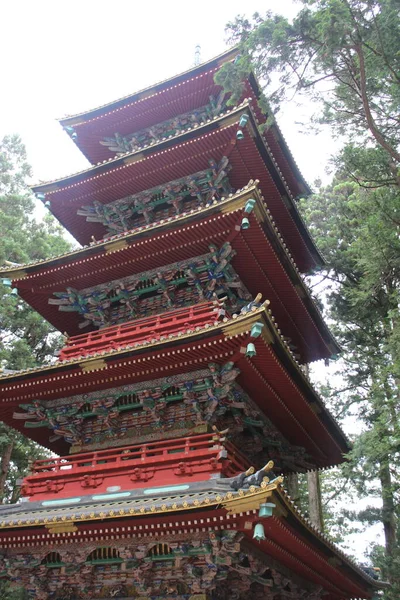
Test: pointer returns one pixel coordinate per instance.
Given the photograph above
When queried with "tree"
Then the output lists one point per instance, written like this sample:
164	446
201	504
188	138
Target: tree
355	229
345	54
27	340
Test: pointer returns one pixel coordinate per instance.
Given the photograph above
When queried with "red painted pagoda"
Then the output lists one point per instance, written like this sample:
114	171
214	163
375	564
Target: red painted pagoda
181	394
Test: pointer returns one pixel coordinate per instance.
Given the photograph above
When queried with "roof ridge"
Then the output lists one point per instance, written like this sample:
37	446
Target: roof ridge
122	157
325	538
196	68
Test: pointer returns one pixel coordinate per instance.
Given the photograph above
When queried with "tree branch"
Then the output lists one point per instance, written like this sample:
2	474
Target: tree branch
368	115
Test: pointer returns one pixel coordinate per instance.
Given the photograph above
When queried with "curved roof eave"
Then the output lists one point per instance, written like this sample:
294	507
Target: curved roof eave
86	115
233	327
131	156
285	148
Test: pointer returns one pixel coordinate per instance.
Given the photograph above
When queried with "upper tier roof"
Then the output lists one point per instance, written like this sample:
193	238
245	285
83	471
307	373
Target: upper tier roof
262	262
155	104
176	95
181	155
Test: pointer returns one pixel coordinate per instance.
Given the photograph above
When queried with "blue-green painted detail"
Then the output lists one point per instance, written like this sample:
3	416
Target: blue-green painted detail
245	223
251	350
256	330
57	502
259	533
111	496
167	488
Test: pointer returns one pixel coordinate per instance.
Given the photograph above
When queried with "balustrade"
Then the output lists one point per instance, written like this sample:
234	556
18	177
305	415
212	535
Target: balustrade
166	462
147	329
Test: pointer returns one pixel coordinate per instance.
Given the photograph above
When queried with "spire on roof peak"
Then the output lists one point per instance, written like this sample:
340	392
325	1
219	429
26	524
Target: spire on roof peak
197	51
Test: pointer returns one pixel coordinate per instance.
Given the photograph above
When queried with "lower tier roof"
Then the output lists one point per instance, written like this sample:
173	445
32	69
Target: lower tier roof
260	258
272	378
131	527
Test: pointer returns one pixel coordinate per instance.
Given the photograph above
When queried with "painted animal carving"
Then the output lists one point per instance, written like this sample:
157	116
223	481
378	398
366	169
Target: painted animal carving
249	477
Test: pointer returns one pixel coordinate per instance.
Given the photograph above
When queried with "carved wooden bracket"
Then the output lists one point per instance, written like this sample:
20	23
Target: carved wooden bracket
141	474
91	481
53	486
183	469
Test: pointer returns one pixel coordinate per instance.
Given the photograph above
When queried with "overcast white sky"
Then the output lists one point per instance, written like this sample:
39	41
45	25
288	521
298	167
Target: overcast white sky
61	58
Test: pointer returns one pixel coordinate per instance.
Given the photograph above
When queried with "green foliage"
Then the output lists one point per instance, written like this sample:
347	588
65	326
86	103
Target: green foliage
7	592
26	339
390	569
345	54
356	229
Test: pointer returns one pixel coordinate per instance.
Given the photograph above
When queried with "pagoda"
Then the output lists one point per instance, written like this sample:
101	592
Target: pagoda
180	399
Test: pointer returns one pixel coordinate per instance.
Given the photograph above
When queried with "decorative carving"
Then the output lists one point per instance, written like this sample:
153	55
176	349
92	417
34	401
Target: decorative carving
161	131
178	568
153	292
161	202
250	478
142	474
91	481
148	410
104	415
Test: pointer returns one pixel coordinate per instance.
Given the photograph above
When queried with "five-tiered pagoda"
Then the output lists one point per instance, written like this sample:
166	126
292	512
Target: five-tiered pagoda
181	395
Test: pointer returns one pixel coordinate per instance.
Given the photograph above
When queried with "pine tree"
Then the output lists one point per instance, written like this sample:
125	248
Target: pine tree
345	55
27	340
355	229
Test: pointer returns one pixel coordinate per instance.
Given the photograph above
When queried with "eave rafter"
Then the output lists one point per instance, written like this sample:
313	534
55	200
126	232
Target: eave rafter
226	119
295	399
303	549
141	96
217	223
183	91
104	183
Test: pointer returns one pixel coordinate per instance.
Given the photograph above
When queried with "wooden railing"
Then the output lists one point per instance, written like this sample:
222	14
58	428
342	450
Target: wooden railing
141	330
138	454
169	461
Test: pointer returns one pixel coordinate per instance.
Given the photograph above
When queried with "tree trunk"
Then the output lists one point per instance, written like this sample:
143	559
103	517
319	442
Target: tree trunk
5	465
388	509
292	482
372	126
16	493
314	500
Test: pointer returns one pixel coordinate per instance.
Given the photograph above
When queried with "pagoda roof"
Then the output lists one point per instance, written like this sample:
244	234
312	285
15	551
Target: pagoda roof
262	261
179	156
290	538
118	111
176	95
272	378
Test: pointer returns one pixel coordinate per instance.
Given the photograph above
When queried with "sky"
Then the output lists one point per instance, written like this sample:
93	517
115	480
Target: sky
61	58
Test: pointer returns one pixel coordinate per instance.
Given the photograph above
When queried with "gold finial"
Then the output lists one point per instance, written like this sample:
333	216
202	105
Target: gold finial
268	466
